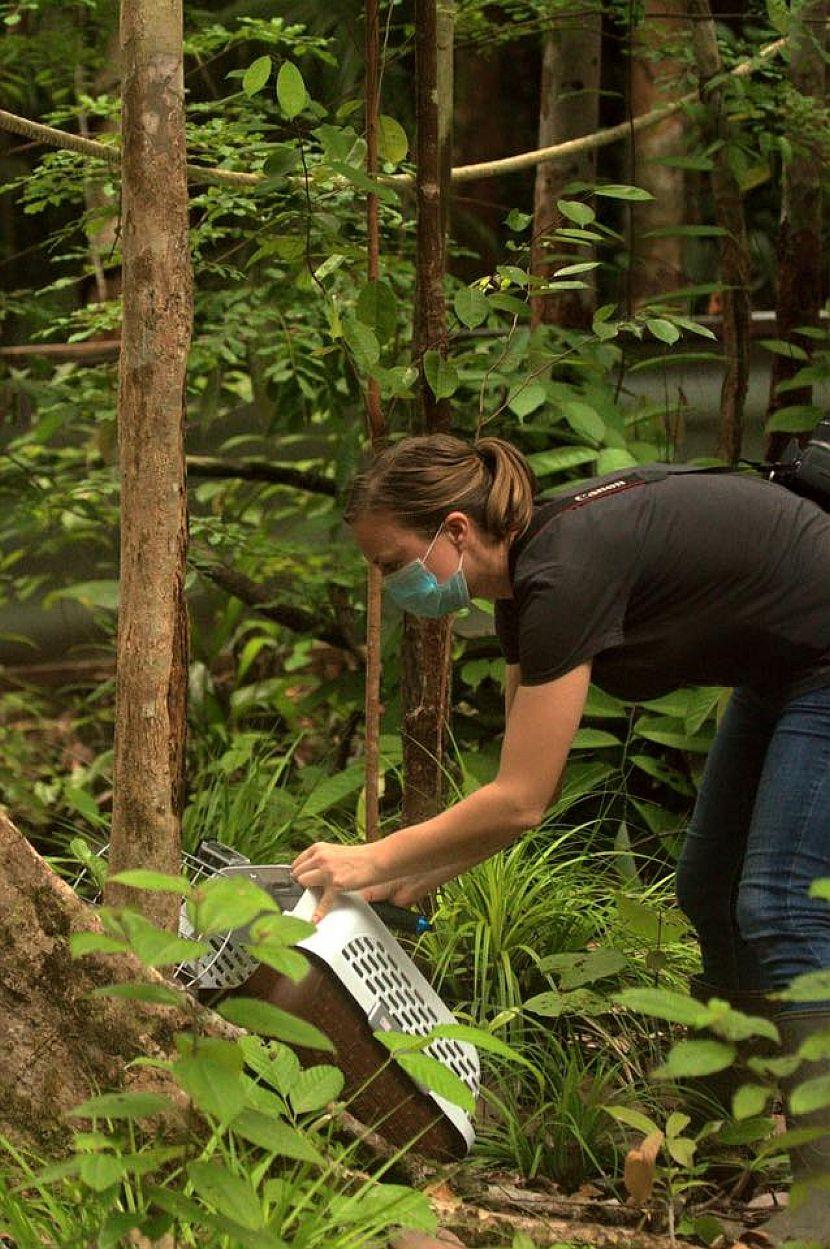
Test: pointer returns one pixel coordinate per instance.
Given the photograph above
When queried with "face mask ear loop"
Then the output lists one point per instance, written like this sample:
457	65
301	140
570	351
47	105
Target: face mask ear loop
425	555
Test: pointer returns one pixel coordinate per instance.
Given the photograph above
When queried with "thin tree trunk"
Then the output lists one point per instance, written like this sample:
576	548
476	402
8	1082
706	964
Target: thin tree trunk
377	435
426	643
568	109
151	685
800	255
657	262
734	249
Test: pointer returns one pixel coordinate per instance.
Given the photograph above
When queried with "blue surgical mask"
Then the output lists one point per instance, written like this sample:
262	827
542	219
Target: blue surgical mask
418	591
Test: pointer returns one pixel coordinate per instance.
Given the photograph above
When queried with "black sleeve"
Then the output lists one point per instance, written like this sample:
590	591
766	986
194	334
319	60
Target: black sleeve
506	620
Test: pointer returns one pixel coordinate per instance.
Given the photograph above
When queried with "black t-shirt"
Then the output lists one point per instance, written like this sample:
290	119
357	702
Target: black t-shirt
719	579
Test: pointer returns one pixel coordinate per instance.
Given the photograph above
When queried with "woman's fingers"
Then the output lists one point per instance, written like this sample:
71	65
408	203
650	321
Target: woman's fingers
326	901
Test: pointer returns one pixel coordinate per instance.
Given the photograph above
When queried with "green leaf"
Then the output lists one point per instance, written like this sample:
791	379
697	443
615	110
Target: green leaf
584	420
581	969
664	1004
482	1040
750	1100
779	347
273	1062
101	1171
362	342
662	329
139	991
231	1195
652	926
290	963
433	1075
393	144
700	1057
377	308
632	1119
518	221
584	266
361	180
315	1087
121	1106
275	1136
156	947
470	306
634	194
395	1205
268	1020
526	398
796	419
560	459
441	375
614	460
594	739
333	790
549	1004
811	1095
256	75
581	214
156	882
681	1149
225	903
677	1122
214	1087
813	986
81	943
291	90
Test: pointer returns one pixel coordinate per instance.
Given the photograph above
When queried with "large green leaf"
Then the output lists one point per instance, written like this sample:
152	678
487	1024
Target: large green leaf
291	90
665	1004
272	1021
231	1195
276	1137
315	1087
470	306
376	307
441	374
227	902
584	420
256	75
363	343
393	144
214	1087
433	1075
700	1057
121	1106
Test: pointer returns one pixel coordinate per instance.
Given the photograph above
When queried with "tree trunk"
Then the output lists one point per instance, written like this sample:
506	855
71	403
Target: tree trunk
152	619
734	250
657	262
58	1045
377	434
800	257
426	643
568	109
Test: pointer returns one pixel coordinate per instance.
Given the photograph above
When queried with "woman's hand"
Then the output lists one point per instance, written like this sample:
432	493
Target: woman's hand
402	892
335	869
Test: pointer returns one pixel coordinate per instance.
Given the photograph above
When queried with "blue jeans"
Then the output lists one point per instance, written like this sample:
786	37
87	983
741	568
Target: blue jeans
759	835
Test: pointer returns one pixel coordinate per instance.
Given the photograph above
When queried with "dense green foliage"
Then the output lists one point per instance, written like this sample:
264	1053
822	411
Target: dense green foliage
558	947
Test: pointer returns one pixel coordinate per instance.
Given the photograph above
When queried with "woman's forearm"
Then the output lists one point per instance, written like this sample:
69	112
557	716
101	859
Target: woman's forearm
459	837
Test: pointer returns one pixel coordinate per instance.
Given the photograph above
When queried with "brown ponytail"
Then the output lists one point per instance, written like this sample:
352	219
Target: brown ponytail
420	480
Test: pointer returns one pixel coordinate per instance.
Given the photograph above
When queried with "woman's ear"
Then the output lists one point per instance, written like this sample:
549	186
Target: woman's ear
457	526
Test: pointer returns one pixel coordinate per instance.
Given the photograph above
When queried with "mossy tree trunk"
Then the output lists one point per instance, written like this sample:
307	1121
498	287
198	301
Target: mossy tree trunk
426	643
151	681
568	109
800	256
729	215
